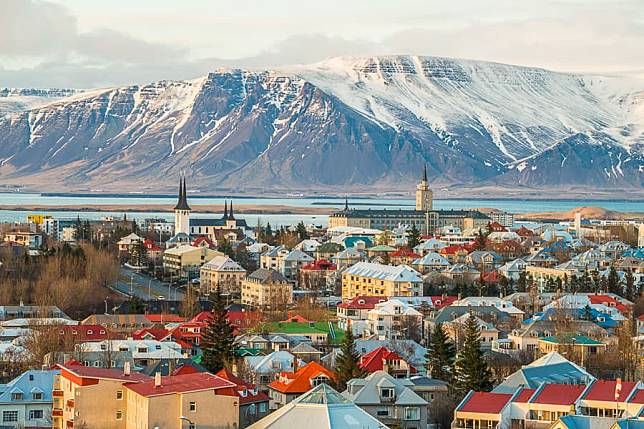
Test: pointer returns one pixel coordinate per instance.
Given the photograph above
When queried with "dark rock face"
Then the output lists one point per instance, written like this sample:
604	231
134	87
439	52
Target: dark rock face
349	124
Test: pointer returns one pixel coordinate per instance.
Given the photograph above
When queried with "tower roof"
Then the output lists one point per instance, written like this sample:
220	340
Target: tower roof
225	216
424	172
231	216
182	204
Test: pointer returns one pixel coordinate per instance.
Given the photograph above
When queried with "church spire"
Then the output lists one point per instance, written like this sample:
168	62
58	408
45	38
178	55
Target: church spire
424	172
225	210
231	216
346	204
182	203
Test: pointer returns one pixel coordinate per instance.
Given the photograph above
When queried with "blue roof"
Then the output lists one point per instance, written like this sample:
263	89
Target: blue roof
351	241
635	253
533	376
28	383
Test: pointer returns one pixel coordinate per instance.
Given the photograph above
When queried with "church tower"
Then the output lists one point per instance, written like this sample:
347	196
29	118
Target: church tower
182	210
424	196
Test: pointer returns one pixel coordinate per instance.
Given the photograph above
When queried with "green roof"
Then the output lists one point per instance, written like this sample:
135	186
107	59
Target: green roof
304	328
572	339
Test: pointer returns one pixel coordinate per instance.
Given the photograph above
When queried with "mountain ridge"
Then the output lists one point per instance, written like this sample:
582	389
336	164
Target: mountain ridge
347	123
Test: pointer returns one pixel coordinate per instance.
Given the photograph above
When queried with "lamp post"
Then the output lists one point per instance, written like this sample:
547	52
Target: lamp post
131	284
149	287
192	425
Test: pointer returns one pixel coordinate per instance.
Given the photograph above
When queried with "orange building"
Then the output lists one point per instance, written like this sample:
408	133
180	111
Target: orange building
290	385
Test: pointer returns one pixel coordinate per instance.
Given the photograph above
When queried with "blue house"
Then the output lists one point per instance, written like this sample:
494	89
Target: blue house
26	401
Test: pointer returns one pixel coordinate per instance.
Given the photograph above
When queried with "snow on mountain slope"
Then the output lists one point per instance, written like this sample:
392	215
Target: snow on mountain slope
343	123
14	100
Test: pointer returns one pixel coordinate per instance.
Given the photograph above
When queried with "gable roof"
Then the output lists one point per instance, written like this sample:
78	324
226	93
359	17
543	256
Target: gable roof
558	394
484	402
604	390
180	384
374	360
250	395
362	302
300	380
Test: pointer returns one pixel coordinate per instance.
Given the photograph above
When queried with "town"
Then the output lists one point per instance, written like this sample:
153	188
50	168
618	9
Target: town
387	318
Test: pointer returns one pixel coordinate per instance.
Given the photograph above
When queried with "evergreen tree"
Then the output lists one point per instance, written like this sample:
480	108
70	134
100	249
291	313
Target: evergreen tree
346	366
225	247
629	289
504	285
470	368
414	237
138	254
522	282
440	354
481	239
217	341
586	313
613	282
302	233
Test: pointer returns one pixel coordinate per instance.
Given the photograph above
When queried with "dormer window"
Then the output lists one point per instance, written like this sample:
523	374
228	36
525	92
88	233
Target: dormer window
17	396
387	393
90	332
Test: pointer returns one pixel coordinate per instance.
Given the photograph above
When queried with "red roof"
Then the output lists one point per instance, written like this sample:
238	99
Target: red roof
495	226
485	402
638	397
525	395
375	360
608	301
491	276
82	371
404	252
363	302
87	332
202	239
525	232
151	245
204	316
295	318
252	394
185	369
165	318
300	380
440	301
451	250
604	390
559	394
319	265
181	384
640	317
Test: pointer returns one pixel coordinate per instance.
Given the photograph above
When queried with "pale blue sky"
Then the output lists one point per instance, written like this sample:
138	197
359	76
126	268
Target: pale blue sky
85	43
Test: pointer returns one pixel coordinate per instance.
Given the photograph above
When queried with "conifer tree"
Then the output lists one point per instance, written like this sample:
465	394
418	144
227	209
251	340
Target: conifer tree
217	343
481	240
440	354
587	313
629	289
470	368
522	282
613	282
414	237
347	366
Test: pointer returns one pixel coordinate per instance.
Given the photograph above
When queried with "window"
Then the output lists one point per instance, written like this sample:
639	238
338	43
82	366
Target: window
36	414
383	413
16	396
37	396
31	377
263	407
319	380
387	393
119	394
193	406
10	416
119	415
412	413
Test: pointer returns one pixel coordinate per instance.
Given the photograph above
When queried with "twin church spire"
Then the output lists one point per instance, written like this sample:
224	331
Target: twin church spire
182	203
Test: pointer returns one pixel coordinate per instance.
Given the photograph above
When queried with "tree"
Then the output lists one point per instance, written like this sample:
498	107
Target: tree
414	237
481	240
505	285
440	354
225	247
629	289
470	368
302	233
347	367
587	313
138	254
217	344
613	283
190	305
522	282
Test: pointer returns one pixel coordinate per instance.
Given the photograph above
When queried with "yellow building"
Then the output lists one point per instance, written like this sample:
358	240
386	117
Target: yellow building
222	271
185	261
369	279
37	219
266	288
540	275
91	397
199	400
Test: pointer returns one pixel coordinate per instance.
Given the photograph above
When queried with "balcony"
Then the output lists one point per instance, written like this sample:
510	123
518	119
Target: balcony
70	403
57	412
58	393
70	423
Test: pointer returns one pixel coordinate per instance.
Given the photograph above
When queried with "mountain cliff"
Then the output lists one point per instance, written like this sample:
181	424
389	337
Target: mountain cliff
343	124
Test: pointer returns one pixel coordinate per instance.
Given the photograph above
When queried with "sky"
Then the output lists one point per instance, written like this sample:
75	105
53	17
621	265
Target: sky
92	43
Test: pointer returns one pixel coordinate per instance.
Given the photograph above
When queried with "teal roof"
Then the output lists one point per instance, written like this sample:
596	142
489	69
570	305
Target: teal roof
570	339
382	248
351	241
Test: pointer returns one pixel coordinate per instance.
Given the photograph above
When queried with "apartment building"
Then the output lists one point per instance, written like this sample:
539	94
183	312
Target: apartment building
365	278
266	288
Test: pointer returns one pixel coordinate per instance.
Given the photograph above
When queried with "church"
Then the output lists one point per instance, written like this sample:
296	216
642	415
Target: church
423	216
187	229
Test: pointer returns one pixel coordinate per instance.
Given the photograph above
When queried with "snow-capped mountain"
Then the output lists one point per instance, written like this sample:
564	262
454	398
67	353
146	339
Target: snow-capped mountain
343	123
14	100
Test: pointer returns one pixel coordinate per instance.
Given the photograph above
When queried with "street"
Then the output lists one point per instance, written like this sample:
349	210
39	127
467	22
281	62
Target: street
145	287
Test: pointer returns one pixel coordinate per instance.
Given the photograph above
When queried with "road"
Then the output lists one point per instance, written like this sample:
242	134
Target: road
145	287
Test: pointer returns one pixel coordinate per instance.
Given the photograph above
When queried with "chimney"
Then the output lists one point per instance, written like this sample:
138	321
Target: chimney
157	379
295	363
126	369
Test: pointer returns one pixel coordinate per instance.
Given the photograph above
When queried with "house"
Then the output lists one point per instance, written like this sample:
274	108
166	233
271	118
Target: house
482	410
126	243
253	404
22	311
430	245
456	329
317	275
390	400
271	259
371	279
292	384
483	301
306	352
267	289
202	399
116	353
308	246
604	397
221	271
428	388
403	256
328	250
512	270
484	260
431	261
27	400
264	369
185	261
119	323
85	395
289	264
320	408
577	345
384	359
461	273
354	312
392	319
